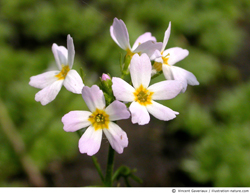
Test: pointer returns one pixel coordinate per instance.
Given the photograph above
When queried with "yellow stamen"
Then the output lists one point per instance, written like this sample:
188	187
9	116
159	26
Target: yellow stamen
63	73
165	60
99	119
143	96
157	66
130	53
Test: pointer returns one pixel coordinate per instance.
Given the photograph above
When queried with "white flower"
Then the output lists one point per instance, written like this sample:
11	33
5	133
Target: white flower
145	43
167	60
52	81
142	95
98	119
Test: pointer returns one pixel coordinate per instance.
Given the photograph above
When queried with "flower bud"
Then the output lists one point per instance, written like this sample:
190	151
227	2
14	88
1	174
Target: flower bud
105	77
106	87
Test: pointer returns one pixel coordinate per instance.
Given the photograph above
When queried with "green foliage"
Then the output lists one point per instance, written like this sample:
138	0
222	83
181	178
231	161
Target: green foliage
233	105
222	157
208	68
222	154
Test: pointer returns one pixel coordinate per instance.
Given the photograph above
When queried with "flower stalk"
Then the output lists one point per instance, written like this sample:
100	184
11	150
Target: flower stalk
110	165
98	168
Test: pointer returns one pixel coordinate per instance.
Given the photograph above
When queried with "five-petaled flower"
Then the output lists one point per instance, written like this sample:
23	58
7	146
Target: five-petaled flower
52	81
142	95
167	60
98	119
145	43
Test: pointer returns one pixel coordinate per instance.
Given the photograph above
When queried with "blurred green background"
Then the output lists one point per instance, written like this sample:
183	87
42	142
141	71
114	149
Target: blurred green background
208	144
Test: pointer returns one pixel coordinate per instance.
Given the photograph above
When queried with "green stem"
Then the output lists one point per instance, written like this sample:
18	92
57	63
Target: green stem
98	168
110	166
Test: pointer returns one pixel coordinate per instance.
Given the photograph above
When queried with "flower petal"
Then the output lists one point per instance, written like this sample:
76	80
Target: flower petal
43	80
60	54
184	76
75	120
90	141
119	34
140	70
176	54
156	56
167	71
71	51
54	50
165	90
166	37
93	97
117	111
139	114
117	137
161	112
148	47
122	90
143	38
73	82
49	93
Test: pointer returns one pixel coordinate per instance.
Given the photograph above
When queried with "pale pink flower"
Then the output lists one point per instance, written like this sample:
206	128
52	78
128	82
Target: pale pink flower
105	77
142	95
51	82
145	43
98	119
167	60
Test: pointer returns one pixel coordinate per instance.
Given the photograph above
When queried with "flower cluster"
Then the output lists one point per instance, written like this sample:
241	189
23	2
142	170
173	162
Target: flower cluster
115	99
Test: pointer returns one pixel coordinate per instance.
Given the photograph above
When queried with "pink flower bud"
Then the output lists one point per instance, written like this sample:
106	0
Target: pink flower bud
105	77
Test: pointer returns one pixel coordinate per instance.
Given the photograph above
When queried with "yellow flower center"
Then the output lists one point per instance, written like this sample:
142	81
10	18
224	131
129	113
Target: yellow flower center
158	65
99	119
143	96
63	73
